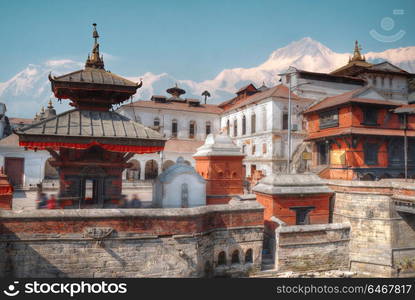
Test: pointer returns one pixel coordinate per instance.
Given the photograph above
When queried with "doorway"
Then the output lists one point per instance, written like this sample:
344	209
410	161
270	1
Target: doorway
14	169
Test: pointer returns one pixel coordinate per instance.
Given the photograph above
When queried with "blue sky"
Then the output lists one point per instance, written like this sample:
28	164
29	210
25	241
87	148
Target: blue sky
187	39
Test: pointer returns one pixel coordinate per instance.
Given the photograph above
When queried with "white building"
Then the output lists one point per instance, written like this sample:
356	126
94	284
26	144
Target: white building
257	120
185	123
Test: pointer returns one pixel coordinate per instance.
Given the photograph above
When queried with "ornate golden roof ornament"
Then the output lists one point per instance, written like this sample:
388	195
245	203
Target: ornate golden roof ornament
95	60
357	56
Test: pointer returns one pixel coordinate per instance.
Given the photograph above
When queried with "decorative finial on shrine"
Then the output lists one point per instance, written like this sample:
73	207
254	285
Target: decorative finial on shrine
357	56
95	60
50	105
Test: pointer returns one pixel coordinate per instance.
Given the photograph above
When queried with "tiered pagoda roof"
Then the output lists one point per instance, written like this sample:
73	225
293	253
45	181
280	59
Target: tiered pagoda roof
92	91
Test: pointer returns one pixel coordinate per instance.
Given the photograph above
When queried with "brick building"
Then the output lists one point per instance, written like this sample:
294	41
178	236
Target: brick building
357	135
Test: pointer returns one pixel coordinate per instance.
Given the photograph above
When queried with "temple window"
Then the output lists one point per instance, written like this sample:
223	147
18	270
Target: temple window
288	78
243	125
371	153
228	128
192	129
264	119
235	257
323	153
208	127
253	149
222	258
253	123
185	195
329	119
243	148
264	148
302	214
235	127
285	121
174	128
370	116
156	122
248	256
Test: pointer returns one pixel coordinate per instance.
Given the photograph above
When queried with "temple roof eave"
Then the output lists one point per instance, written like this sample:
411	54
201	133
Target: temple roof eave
80	128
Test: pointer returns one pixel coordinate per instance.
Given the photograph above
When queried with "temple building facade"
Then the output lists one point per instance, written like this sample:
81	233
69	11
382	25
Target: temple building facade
362	133
90	144
257	121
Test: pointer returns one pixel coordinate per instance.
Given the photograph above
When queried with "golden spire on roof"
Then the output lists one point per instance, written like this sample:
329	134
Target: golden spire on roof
357	56
95	60
50	105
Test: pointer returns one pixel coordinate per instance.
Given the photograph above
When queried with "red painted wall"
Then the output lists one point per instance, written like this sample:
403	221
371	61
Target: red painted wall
223	175
279	206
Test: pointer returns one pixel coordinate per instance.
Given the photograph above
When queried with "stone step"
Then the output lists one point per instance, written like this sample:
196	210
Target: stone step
266	267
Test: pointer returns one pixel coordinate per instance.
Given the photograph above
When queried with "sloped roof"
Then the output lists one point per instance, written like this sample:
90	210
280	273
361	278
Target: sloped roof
182	146
278	184
86	124
202	108
331	77
246	87
409	109
358	63
279	91
386	63
349	97
218	145
97	76
10	141
20	121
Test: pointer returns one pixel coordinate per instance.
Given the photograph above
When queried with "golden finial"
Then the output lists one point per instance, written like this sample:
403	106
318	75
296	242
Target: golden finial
50	105
43	109
357	56
95	60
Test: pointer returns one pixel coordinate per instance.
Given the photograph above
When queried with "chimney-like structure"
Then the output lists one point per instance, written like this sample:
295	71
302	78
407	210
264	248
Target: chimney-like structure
295	199
219	162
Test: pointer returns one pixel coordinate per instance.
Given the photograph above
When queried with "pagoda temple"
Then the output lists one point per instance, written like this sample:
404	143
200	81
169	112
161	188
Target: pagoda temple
91	144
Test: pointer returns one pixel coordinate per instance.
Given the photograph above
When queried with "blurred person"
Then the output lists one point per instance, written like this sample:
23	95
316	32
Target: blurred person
135	202
123	202
42	201
52	202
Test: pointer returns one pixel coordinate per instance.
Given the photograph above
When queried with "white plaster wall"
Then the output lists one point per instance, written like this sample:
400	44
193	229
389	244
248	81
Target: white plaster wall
172	196
146	117
34	163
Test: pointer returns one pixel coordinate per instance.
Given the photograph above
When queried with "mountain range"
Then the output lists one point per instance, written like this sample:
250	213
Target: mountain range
29	89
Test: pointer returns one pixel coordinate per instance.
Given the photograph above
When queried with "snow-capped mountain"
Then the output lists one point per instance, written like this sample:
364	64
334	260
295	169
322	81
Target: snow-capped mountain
29	89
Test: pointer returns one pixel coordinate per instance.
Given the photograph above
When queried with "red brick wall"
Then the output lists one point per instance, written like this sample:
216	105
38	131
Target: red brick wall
223	175
152	225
